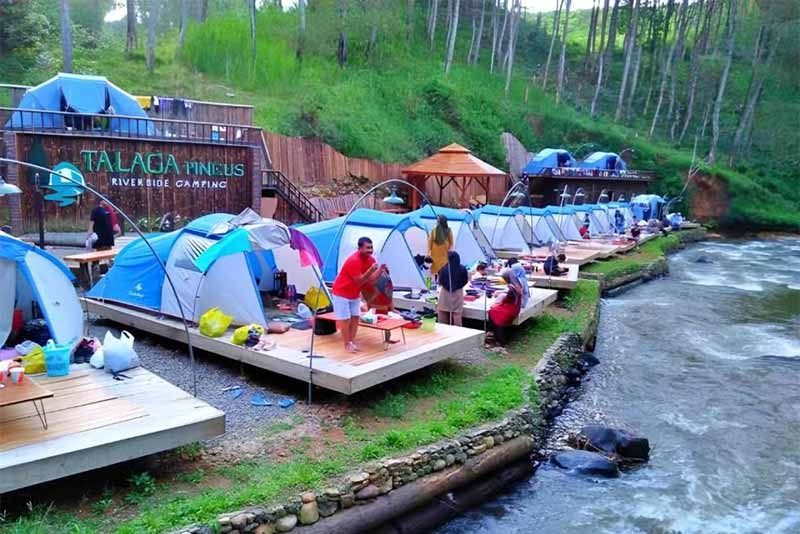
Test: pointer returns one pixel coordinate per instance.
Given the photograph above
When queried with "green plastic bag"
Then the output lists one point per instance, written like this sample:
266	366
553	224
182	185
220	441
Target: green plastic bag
240	334
214	323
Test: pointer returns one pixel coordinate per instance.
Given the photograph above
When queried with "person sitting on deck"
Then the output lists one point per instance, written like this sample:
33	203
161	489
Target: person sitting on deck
521	279
440	241
636	232
452	279
506	308
551	267
356	270
480	271
584	231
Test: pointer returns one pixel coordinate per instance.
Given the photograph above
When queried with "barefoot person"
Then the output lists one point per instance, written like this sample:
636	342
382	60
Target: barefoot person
355	272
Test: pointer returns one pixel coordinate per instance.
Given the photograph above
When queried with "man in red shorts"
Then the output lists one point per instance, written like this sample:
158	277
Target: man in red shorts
355	272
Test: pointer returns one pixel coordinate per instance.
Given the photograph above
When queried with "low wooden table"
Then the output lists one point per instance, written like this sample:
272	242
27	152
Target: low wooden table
386	326
87	260
27	391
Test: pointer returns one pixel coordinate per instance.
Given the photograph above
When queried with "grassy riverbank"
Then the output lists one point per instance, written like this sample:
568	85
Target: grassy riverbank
430	405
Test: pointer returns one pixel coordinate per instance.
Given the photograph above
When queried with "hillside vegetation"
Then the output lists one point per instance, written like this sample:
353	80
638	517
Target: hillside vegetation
392	101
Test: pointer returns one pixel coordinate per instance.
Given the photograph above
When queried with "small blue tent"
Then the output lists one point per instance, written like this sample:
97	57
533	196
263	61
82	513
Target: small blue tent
468	238
545	228
569	222
547	159
388	234
605	161
32	278
79	94
646	207
597	217
505	227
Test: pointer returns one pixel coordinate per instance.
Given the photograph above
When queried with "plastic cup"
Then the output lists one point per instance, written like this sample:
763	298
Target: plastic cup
17	374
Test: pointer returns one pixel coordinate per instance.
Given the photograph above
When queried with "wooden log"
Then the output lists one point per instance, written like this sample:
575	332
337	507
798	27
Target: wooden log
416	494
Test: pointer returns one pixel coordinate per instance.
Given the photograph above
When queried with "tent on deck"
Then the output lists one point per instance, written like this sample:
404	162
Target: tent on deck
217	260
388	234
548	158
568	221
469	240
32	278
455	165
597	216
504	227
624	208
545	228
80	94
646	207
604	161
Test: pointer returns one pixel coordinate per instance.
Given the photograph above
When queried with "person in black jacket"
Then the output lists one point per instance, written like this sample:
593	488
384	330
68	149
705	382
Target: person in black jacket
452	279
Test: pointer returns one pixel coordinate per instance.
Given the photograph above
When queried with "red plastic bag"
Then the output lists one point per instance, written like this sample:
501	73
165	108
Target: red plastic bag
377	291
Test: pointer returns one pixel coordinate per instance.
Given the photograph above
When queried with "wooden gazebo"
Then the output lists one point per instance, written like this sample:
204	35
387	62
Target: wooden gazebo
455	166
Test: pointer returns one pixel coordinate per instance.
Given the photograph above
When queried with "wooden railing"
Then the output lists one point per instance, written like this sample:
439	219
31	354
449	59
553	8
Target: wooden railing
276	181
122	126
608	174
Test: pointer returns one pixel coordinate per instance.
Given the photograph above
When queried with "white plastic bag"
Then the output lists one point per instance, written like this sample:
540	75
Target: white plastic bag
118	353
98	358
89	244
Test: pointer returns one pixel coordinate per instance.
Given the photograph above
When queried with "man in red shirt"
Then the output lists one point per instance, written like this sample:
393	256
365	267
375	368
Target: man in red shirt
355	272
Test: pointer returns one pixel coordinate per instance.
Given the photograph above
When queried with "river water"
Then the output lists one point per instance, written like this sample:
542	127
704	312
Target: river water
706	364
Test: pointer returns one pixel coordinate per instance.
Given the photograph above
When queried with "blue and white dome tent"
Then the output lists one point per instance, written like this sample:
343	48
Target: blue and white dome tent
625	209
469	240
505	228
646	207
31	277
76	93
548	158
388	234
604	161
545	228
598	218
568	221
217	260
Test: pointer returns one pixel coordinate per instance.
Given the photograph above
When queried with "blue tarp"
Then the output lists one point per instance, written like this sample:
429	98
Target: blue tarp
604	161
491	209
80	94
547	159
560	210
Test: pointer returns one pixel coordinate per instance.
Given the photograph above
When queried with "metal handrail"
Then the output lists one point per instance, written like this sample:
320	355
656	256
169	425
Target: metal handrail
275	179
569	172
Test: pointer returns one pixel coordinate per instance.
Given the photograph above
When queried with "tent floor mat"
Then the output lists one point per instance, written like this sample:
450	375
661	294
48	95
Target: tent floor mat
95	421
332	367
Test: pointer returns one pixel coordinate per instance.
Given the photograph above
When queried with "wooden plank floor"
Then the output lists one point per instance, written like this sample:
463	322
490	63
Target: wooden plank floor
332	367
567	281
96	421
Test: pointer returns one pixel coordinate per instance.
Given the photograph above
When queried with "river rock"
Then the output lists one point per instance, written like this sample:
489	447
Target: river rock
586	463
309	513
703	259
588	359
616	441
370	492
286	523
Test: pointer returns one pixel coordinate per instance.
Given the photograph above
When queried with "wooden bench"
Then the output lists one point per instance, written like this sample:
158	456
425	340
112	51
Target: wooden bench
87	260
386	326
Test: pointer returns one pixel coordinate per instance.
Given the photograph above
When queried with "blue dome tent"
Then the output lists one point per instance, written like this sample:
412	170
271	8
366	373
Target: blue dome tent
597	216
604	161
624	208
388	234
469	240
545	228
546	159
646	207
504	227
217	260
567	220
76	93
31	277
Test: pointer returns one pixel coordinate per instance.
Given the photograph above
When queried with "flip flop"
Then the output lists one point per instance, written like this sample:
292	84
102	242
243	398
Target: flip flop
234	393
285	403
258	399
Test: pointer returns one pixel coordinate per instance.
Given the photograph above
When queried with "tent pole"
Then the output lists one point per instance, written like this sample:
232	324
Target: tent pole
95	192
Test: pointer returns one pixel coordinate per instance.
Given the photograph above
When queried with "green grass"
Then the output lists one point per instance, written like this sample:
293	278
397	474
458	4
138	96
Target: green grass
635	259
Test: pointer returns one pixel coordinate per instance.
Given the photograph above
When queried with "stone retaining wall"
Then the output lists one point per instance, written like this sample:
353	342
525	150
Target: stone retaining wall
552	378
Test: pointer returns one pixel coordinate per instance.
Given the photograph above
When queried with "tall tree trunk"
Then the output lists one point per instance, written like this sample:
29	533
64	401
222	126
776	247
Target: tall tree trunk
630	46
341	47
553	38
184	20
152	20
758	76
203	10
474	23
516	10
301	29
683	22
723	82
612	38
495	24
637	62
66	35
451	46
665	74
562	63
434	16
477	53
409	20
251	12
590	35
449	22
499	52
130	38
699	48
598	86
603	28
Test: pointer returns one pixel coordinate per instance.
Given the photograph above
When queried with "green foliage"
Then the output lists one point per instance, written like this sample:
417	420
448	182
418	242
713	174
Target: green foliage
143	485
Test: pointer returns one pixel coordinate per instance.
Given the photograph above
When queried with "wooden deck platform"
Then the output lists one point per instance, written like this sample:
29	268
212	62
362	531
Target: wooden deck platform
576	255
333	368
567	281
96	421
477	309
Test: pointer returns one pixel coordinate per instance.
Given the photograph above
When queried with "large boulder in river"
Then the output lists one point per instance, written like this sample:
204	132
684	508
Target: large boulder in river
586	463
703	259
615	441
